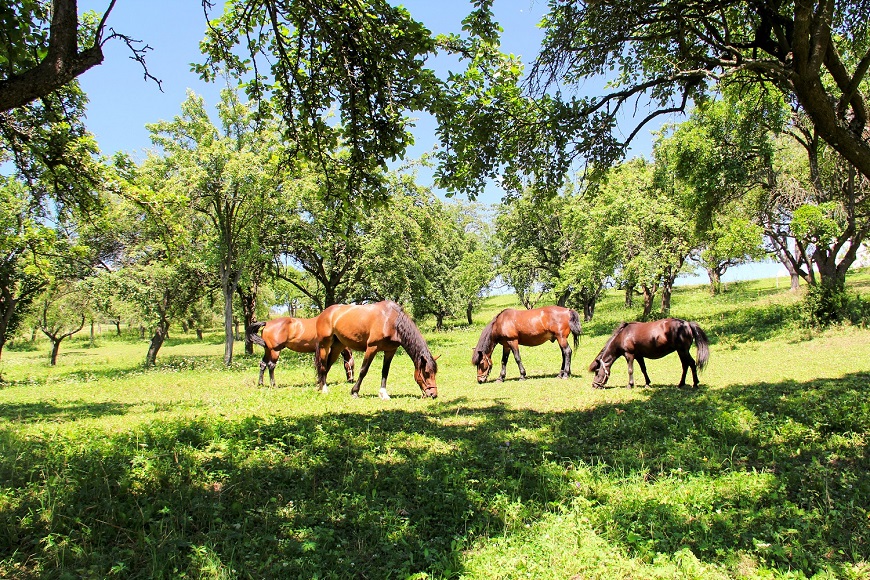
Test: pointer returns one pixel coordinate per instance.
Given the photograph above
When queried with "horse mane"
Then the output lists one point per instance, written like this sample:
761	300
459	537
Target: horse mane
610	340
411	339
486	343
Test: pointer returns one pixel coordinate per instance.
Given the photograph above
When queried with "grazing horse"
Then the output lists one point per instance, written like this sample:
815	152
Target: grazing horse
371	328
512	328
297	334
640	340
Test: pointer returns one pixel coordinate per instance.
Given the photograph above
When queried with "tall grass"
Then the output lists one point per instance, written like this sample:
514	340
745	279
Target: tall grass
190	470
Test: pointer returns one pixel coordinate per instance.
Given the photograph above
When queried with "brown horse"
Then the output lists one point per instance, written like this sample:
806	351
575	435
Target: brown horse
297	334
640	340
512	328
371	328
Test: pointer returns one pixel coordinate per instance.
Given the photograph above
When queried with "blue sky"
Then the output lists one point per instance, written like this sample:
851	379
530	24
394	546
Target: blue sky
122	101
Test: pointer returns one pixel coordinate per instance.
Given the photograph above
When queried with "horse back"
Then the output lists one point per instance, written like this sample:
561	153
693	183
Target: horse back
358	326
297	334
533	327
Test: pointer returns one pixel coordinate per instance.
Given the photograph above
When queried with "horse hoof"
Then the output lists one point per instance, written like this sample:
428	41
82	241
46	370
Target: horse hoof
522	378
354	395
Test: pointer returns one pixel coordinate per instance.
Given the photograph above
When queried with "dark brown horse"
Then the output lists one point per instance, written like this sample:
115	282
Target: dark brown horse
297	334
371	328
640	340
512	328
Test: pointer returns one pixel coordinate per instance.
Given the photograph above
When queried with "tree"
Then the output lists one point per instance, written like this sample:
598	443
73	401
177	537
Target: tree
733	240
648	227
224	172
25	243
363	60
815	54
57	319
46	46
534	247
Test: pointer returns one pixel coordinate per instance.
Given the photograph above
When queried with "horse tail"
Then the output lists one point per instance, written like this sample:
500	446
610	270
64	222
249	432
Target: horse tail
575	326
252	333
703	343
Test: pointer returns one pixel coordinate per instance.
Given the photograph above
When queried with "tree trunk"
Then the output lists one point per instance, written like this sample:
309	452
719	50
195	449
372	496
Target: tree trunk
118	327
649	294
248	300
439	321
141	331
160	333
629	297
468	310
229	283
93	337
55	347
715	280
588	309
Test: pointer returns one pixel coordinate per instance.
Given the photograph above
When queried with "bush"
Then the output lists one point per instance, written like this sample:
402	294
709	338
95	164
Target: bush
826	304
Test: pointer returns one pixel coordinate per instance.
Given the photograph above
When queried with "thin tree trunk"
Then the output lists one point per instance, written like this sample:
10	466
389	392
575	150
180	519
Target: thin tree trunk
160	333
468	311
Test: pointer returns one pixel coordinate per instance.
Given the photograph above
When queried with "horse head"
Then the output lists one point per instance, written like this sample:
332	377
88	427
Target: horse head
602	373
483	362
424	374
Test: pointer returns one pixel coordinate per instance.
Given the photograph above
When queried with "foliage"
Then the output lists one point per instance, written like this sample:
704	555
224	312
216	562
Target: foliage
667	54
363	61
221	171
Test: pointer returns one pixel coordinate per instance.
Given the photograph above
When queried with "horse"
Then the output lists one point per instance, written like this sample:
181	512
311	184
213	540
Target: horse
297	334
372	328
640	340
512	328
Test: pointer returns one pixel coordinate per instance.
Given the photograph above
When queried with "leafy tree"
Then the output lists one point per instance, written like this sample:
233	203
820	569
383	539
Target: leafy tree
363	60
649	229
46	45
222	171
815	54
62	314
25	244
534	247
732	241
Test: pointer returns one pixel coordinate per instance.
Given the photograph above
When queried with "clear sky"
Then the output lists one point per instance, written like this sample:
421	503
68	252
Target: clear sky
122	101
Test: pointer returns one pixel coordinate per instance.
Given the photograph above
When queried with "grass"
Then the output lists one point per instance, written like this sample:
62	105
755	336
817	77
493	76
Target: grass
191	470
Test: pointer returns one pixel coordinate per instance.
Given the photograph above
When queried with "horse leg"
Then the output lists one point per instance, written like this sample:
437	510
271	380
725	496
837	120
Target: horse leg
515	348
505	353
566	359
642	364
629	358
688	363
322	354
270	361
348	363
385	370
364	369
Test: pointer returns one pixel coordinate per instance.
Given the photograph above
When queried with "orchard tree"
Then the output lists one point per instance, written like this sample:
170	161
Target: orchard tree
669	54
363	61
225	173
733	240
47	44
25	246
62	314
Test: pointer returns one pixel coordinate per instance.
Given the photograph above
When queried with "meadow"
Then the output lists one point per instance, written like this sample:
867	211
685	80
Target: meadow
190	470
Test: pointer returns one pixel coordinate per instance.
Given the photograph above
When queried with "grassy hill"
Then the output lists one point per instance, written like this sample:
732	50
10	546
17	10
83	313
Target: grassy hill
191	470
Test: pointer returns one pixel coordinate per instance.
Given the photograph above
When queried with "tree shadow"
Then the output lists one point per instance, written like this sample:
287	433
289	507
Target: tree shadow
773	470
71	411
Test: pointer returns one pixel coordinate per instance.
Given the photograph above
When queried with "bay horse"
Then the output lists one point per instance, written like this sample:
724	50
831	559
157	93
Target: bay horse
641	340
297	334
512	328
372	328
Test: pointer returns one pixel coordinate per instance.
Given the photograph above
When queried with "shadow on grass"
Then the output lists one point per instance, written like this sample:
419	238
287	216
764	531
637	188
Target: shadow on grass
72	411
776	471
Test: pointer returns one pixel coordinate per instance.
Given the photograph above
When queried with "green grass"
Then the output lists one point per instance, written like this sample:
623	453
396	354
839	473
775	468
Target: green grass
191	470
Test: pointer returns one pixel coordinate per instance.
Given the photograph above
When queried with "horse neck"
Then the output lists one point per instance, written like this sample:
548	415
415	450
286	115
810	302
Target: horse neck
486	343
411	339
609	353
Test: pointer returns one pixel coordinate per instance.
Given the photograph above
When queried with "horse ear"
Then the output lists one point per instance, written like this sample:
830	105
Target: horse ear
437	357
